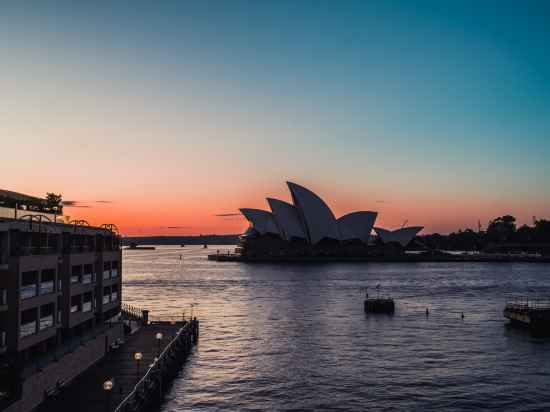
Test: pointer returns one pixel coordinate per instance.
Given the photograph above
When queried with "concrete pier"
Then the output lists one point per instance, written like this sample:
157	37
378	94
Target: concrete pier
135	373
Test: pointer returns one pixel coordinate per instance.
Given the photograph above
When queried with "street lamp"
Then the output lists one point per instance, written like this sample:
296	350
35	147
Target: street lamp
158	336
138	356
108	388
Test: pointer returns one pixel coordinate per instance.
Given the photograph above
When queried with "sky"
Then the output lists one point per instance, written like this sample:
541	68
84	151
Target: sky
158	116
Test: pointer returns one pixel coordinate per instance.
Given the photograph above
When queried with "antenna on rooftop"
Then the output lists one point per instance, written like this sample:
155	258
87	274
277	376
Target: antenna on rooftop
404	223
479	226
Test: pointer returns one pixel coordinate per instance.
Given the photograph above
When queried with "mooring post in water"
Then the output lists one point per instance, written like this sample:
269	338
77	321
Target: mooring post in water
427	312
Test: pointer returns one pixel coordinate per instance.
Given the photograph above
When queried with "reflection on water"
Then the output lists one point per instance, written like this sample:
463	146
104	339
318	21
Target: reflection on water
279	337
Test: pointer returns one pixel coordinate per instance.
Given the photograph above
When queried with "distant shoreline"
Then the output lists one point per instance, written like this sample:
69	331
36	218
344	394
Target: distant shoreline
182	240
486	258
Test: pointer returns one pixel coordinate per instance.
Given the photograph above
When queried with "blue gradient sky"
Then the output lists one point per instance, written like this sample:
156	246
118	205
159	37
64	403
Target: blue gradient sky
441	111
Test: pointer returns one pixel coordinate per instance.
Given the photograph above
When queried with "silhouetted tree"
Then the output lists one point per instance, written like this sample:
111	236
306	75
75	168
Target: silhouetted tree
54	202
542	231
502	228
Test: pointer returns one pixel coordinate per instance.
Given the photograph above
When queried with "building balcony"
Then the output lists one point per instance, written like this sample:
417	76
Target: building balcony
79	288
111	305
80	316
3	300
3	342
87	278
27	329
87	306
82	249
35	289
34	332
28	291
36	250
47	287
46	322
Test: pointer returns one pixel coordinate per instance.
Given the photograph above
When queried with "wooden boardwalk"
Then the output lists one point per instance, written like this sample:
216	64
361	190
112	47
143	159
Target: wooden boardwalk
86	392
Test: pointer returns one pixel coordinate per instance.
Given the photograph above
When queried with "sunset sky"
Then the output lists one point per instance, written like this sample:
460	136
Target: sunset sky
157	116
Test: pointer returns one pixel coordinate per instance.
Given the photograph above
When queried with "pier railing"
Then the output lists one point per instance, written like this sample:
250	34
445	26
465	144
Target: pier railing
163	368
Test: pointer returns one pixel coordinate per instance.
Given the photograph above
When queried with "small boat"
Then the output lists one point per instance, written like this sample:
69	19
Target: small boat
379	305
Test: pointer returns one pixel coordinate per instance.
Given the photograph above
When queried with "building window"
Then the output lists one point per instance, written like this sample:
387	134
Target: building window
87	277
114	293
76	303
59	312
106	295
76	274
2	339
3	297
87	302
29	283
47	281
114	272
46	316
106	270
28	323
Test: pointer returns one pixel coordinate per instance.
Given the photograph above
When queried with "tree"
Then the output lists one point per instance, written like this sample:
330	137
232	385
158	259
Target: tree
54	202
502	228
542	231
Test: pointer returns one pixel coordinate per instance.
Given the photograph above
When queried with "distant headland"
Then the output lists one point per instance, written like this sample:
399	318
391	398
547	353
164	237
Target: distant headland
181	240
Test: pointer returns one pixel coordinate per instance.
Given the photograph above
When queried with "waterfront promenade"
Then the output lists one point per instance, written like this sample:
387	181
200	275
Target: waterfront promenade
134	374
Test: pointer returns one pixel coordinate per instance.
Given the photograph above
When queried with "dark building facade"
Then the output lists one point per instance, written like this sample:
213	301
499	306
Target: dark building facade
57	282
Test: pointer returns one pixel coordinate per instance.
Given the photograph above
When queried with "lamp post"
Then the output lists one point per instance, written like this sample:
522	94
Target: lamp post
158	336
108	388
138	356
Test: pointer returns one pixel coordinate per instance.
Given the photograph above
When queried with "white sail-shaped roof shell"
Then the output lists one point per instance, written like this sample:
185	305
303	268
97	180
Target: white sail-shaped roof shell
286	216
402	236
318	219
261	220
357	225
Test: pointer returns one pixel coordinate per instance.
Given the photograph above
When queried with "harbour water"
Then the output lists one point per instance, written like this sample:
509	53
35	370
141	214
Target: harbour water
295	337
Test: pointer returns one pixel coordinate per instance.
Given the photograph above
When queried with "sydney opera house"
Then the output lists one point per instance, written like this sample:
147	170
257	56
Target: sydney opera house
308	227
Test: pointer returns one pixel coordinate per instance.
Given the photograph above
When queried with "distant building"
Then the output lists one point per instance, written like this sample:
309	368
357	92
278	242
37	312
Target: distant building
58	283
308	226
